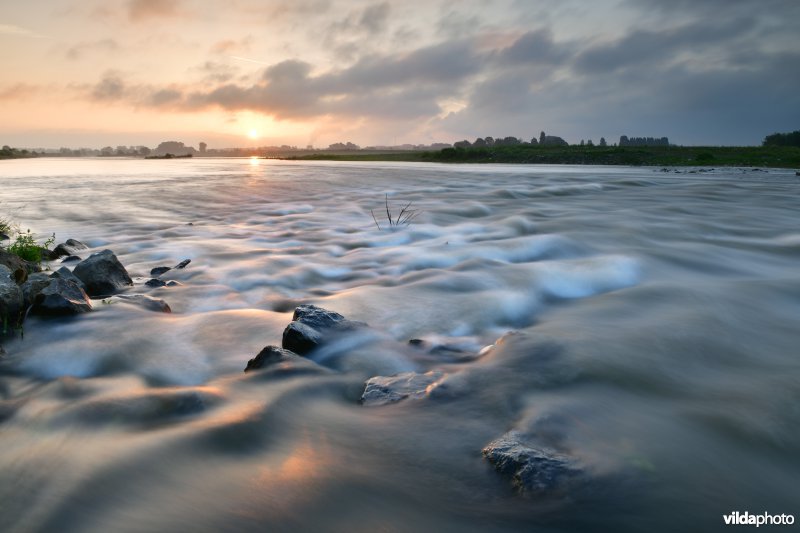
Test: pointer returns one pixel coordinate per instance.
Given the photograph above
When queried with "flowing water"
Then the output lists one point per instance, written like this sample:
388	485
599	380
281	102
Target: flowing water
658	320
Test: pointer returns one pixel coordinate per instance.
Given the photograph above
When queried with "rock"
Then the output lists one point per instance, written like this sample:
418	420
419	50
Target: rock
72	259
155	283
534	470
60	251
173	283
381	390
183	264
270	355
11	302
4	237
311	326
65	273
147	302
317	317
61	297
14	263
66	248
300	338
157	271
102	274
76	244
33	286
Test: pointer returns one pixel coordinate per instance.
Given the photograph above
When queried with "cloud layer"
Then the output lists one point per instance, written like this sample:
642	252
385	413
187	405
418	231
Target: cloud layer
705	71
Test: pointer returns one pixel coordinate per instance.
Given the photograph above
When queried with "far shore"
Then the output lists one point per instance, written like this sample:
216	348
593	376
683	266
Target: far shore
660	156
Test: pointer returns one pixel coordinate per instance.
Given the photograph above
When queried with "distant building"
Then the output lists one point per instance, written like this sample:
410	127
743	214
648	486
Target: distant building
203	147
643	141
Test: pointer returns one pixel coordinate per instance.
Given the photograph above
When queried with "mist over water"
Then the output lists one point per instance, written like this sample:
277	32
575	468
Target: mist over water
657	319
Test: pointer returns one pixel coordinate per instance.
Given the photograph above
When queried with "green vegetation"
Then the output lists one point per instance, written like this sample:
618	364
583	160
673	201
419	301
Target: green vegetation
783	139
26	247
6	152
739	156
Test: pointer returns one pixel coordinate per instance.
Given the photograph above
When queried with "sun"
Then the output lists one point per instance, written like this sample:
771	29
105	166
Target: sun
253	134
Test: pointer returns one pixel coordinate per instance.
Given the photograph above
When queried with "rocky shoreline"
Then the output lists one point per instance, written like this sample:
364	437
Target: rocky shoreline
533	465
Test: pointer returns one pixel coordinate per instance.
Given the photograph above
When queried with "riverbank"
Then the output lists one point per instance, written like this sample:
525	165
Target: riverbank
677	156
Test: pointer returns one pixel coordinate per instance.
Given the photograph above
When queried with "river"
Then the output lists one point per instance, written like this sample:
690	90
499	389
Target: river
658	342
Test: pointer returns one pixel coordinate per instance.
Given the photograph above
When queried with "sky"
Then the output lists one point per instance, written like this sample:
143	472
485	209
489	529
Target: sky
94	73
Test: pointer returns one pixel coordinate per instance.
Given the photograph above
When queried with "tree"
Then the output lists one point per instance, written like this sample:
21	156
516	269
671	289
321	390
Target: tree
603	141
783	139
541	137
479	143
589	143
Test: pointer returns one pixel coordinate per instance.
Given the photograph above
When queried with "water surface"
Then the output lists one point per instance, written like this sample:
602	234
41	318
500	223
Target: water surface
657	318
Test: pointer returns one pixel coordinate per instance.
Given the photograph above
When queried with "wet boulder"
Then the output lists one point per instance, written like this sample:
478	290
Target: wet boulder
67	248
65	273
61	297
155	283
18	266
102	274
33	286
270	355
273	362
144	301
10	300
312	326
72	259
381	390
533	469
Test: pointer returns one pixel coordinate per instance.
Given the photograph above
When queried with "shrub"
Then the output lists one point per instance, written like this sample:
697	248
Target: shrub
26	247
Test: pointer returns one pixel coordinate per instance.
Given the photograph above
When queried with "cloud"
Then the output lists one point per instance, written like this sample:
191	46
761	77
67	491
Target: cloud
79	50
643	46
536	47
19	91
232	46
10	29
139	10
111	87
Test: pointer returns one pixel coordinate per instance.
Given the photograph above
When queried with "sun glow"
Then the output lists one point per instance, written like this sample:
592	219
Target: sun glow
253	134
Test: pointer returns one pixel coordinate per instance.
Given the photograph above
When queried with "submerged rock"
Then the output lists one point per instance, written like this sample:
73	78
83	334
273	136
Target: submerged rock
534	470
72	259
300	338
312	326
61	297
270	355
273	362
158	271
381	390
155	282
102	274
147	302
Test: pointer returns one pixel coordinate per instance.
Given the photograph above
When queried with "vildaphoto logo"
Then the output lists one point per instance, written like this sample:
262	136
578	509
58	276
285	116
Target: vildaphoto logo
765	519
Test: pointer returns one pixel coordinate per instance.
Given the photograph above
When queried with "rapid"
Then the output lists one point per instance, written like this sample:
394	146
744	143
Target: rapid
656	320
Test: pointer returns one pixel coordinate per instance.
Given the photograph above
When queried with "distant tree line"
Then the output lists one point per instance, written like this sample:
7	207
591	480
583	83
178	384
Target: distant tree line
487	142
643	141
783	139
6	152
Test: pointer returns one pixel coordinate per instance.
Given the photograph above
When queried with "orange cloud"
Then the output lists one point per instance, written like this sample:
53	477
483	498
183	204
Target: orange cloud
146	9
